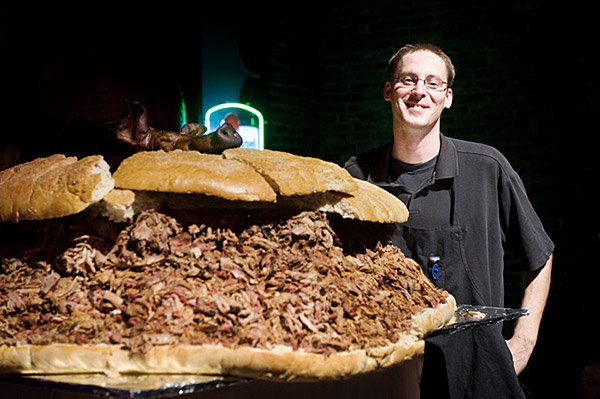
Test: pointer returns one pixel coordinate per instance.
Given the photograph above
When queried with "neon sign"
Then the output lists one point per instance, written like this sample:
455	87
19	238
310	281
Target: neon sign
252	123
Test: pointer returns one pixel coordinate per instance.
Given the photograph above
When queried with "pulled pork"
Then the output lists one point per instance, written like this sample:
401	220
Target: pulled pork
304	279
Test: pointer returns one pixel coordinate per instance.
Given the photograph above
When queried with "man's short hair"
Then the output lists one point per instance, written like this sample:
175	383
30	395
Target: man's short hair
411	48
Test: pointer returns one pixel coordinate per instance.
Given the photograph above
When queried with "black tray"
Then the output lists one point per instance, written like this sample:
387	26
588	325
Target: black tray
468	316
126	385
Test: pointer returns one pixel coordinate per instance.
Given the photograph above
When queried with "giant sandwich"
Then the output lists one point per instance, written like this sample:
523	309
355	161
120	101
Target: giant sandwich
250	263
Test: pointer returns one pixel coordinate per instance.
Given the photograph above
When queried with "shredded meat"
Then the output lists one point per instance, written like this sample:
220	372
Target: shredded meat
305	279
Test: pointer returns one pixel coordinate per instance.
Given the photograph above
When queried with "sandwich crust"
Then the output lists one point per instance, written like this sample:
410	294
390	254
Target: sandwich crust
53	187
373	204
368	203
291	174
247	179
192	172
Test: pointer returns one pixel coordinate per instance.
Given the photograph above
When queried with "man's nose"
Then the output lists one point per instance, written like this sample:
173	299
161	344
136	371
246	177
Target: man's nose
420	86
418	91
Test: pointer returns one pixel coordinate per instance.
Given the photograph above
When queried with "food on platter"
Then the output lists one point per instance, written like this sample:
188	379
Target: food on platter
195	275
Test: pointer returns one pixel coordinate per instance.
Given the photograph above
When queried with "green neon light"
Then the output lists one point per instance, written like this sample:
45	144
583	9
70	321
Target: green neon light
261	120
182	113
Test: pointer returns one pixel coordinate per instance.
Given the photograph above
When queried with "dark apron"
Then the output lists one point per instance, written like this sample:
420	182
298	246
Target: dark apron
475	363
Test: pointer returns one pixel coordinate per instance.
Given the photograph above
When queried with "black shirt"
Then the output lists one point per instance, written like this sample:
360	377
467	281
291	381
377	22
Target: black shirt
411	177
478	183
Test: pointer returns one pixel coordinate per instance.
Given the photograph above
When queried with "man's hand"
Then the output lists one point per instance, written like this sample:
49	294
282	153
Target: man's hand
526	331
521	349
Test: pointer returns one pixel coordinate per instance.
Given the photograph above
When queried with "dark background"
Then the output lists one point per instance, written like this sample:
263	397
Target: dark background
527	83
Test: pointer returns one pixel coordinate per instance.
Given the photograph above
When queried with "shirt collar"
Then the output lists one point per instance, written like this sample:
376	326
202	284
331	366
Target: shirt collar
446	167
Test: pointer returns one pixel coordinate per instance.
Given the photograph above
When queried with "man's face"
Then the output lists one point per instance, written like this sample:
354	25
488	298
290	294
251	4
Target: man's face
417	106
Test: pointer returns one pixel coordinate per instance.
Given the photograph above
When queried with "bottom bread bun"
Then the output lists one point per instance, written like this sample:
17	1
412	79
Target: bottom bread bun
280	362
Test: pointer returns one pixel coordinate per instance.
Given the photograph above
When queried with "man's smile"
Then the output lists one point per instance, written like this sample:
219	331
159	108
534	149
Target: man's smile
415	105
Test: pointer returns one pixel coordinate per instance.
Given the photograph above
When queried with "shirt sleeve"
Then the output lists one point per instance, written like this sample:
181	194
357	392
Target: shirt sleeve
521	222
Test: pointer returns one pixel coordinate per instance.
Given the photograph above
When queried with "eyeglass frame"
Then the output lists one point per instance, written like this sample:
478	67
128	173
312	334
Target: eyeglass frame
416	82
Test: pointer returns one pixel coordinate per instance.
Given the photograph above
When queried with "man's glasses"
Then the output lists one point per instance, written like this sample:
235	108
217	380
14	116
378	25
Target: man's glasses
431	83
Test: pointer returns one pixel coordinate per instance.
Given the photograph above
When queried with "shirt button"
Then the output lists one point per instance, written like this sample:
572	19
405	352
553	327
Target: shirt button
435	267
435	271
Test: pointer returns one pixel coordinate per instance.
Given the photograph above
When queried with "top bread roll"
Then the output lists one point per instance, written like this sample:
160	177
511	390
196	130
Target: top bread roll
245	176
368	203
53	187
58	186
291	174
192	172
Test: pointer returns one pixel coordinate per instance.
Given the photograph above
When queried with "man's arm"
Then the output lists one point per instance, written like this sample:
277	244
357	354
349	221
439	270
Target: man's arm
526	330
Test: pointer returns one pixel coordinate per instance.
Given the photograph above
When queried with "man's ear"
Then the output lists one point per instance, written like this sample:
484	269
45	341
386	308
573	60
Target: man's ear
448	100
387	91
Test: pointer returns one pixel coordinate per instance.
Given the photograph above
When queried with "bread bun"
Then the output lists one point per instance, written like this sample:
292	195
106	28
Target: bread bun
280	362
368	203
249	179
117	205
192	172
291	174
53	187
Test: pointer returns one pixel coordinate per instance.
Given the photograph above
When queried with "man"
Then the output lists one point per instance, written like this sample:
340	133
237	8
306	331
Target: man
465	202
